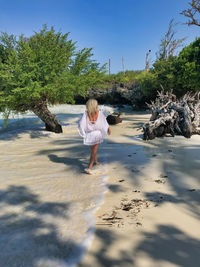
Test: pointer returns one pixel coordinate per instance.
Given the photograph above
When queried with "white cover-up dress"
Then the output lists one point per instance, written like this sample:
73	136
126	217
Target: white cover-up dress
93	133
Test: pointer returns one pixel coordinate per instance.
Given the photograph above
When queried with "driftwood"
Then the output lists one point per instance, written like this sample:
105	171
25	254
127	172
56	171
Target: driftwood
114	119
173	116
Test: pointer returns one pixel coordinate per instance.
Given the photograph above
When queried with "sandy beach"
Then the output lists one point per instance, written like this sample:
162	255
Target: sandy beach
149	217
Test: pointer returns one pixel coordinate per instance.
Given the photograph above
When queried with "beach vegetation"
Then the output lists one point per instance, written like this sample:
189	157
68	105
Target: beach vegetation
178	73
42	70
129	76
188	68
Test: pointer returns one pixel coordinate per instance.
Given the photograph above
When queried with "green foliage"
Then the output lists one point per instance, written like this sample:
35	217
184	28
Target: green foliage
45	67
120	77
148	84
163	74
188	65
180	73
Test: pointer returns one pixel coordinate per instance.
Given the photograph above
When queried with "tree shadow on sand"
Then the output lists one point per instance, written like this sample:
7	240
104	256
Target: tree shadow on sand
28	237
170	245
166	245
21	231
107	239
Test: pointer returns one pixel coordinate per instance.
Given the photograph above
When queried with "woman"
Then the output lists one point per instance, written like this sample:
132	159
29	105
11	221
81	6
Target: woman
93	127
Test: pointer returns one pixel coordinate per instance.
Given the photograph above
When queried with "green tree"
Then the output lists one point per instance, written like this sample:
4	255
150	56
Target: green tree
162	74
164	70
42	70
180	73
188	67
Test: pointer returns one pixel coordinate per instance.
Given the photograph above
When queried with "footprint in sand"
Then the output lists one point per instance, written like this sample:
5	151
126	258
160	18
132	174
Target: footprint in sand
159	181
163	175
136	191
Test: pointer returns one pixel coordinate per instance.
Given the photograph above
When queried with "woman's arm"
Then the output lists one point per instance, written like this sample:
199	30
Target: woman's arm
109	131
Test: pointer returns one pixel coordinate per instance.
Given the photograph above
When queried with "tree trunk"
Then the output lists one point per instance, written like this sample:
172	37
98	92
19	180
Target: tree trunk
50	120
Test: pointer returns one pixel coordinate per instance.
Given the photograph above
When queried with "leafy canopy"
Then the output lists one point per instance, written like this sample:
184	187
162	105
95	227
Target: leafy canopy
188	65
44	67
180	73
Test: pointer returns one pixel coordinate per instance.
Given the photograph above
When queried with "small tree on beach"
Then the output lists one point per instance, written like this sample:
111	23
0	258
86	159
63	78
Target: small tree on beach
44	69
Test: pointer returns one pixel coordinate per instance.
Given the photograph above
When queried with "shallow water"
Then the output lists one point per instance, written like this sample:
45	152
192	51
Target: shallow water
46	201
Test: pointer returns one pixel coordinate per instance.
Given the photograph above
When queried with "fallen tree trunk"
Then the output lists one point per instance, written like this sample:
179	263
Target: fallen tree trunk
173	116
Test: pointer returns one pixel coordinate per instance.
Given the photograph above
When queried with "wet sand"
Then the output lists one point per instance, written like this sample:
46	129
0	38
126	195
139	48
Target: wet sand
150	216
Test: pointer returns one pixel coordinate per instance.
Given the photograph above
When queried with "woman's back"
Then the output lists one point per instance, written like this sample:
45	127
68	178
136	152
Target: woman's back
93	118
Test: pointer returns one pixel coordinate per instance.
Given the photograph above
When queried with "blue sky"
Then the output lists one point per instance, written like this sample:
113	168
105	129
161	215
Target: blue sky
113	28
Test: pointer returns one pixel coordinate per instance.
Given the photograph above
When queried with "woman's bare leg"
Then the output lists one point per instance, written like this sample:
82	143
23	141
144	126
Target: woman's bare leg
96	160
93	156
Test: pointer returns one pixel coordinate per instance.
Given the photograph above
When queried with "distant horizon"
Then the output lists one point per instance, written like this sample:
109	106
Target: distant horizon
114	29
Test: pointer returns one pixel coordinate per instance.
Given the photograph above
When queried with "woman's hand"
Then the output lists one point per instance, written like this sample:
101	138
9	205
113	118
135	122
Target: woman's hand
109	131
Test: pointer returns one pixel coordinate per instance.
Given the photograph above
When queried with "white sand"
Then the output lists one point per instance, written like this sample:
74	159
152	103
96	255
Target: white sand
46	200
160	181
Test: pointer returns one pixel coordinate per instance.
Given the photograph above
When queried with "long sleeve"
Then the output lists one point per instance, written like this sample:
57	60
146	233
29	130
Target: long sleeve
104	125
82	126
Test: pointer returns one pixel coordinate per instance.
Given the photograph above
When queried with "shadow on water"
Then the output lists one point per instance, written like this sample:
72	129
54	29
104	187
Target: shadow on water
19	126
26	237
33	126
79	155
74	163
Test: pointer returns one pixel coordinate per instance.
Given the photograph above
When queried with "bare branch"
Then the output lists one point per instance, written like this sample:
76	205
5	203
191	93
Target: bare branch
169	44
193	13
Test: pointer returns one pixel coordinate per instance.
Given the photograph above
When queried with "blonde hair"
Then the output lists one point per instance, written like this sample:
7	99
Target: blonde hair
92	107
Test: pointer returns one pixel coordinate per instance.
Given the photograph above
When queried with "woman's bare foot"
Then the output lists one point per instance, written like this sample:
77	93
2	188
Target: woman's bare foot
88	171
91	171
